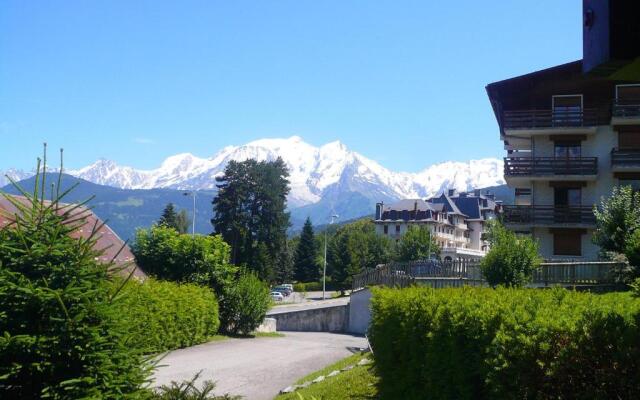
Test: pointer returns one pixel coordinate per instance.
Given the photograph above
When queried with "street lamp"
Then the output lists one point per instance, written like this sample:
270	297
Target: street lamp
324	270
193	224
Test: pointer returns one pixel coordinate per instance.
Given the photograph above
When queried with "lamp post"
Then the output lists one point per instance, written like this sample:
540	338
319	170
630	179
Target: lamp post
193	222
324	269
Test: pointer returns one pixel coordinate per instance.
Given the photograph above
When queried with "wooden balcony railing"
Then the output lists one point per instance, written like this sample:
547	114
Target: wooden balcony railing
627	108
625	157
534	119
541	166
548	215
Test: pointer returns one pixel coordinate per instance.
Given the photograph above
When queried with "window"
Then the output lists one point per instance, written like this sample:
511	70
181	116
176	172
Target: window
567	110
569	149
397	228
386	229
634	183
567	196
628	92
567	242
629	138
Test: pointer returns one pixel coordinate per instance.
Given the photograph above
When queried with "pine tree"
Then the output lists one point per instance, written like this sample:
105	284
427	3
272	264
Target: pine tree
250	213
305	263
169	217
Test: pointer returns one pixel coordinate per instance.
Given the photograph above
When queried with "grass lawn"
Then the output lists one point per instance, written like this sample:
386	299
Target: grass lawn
358	383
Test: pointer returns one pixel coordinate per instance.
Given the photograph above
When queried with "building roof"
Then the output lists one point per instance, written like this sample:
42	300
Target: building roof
409	205
448	203
108	242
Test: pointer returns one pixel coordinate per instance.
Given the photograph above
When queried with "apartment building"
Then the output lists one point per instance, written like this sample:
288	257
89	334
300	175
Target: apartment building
457	221
572	132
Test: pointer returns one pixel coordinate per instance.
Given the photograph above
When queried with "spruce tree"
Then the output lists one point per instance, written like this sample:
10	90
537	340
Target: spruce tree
60	334
169	217
305	263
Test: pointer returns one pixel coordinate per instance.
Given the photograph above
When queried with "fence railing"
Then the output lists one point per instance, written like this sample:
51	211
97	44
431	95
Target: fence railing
531	119
625	157
467	272
543	166
626	108
548	215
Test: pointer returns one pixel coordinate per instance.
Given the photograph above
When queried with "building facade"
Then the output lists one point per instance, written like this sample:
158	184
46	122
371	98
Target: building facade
572	132
456	221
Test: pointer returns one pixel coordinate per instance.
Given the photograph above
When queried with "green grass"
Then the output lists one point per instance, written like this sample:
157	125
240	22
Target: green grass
267	334
358	383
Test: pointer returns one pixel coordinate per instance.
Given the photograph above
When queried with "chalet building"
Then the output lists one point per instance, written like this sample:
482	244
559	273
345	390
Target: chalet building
572	132
110	245
457	221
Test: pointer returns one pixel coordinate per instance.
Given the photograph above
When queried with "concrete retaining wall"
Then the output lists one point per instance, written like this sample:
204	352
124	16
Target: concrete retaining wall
325	319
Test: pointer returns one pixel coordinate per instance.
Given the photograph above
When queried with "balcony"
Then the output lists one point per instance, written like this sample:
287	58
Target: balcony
549	216
625	112
544	168
626	160
543	122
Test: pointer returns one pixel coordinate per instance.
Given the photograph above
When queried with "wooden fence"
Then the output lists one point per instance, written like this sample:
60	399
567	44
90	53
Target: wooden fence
466	272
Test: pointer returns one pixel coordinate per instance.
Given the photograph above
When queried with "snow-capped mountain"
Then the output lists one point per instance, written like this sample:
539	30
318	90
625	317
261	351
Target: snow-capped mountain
316	173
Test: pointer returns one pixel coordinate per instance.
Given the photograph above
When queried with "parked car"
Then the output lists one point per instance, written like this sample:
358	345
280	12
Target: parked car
288	286
282	289
277	296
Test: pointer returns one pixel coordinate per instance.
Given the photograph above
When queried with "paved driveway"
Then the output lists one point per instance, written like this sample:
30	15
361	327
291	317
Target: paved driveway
257	368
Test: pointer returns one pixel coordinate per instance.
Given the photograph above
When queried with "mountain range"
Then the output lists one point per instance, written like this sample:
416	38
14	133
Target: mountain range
325	180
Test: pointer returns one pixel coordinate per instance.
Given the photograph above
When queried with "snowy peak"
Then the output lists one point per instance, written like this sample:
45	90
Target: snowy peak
315	172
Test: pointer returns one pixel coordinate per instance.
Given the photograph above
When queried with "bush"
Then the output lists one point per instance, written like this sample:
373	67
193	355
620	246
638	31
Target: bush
505	343
60	338
632	249
617	218
417	244
313	286
165	315
168	255
511	259
244	305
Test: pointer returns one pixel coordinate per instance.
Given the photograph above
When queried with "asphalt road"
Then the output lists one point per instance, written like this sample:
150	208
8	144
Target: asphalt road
257	368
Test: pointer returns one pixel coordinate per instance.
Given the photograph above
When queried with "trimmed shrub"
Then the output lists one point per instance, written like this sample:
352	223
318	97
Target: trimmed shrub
60	337
511	259
244	305
161	315
313	286
480	343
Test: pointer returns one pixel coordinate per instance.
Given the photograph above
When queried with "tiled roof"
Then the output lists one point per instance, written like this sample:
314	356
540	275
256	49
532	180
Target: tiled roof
112	247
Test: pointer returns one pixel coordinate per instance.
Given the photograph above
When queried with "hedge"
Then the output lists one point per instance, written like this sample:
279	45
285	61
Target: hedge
161	315
312	286
486	343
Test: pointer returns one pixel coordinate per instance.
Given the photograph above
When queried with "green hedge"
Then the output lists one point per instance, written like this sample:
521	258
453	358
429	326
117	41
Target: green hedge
312	286
163	315
505	343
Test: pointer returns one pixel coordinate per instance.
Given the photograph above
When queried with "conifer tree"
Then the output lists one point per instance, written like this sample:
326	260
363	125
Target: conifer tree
169	217
305	263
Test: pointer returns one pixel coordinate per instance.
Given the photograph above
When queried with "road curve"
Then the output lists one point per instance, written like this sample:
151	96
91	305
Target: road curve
257	368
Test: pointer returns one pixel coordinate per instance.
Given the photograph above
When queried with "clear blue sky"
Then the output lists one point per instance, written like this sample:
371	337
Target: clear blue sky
401	82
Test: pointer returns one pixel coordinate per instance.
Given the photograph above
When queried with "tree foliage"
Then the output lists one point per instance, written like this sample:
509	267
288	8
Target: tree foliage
417	244
250	213
511	259
165	254
617	219
306	257
176	220
60	332
244	304
355	247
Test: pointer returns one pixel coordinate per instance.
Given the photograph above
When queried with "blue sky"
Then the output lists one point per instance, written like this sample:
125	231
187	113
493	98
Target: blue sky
401	82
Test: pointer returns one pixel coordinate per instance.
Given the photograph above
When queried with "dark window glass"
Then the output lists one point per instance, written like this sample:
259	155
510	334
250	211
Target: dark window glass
567	243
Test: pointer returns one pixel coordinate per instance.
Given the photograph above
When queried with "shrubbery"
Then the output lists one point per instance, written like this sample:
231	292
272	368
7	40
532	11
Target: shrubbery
244	305
168	255
505	343
511	259
313	286
60	336
162	315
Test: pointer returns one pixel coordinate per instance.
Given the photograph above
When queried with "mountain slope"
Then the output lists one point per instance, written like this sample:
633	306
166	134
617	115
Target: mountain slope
128	209
315	172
